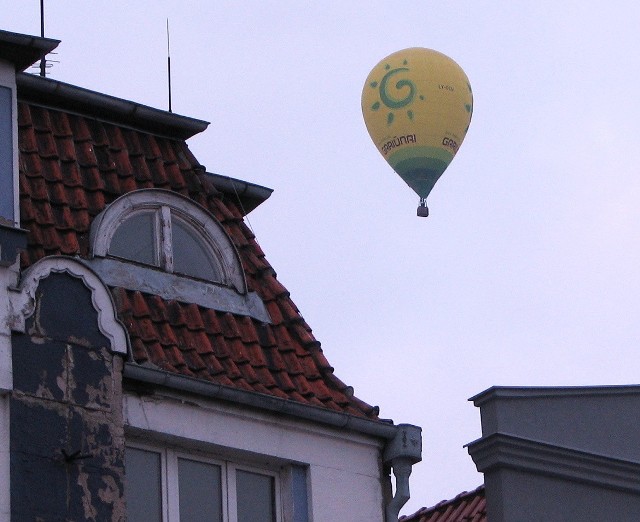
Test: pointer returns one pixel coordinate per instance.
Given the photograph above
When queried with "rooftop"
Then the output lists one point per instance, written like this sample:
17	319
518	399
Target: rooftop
81	150
466	507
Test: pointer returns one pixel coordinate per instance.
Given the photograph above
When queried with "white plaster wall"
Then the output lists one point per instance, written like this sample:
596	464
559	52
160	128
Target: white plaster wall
344	468
8	279
341	495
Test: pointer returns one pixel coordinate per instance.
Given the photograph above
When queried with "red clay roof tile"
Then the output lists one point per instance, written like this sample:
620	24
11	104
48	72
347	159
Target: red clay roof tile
60	126
79	128
466	507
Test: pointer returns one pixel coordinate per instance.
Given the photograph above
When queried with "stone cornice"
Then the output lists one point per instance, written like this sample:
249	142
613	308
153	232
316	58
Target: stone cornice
500	450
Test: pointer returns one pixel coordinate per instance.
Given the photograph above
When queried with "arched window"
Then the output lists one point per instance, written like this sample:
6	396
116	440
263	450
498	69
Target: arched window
162	229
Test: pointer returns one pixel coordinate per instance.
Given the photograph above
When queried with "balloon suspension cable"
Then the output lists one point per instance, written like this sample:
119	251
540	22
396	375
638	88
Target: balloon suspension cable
423	210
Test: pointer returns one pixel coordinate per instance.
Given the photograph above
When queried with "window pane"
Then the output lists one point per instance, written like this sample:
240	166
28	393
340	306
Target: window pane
144	486
256	497
6	154
135	239
190	257
200	491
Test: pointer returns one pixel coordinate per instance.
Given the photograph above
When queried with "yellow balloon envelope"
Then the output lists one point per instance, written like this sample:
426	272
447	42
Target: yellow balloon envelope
417	106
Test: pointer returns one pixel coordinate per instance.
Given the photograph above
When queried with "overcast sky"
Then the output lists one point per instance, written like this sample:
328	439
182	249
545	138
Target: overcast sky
526	272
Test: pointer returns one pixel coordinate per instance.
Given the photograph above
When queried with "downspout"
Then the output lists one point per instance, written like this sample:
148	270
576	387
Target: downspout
401	453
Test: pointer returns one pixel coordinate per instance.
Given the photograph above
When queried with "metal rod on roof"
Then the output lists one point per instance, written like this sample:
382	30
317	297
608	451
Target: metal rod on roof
169	65
43	60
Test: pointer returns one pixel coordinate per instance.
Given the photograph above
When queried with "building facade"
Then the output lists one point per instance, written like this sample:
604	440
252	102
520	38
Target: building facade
152	366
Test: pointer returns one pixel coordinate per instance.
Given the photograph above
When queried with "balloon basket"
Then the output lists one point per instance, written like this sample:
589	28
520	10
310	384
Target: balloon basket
423	211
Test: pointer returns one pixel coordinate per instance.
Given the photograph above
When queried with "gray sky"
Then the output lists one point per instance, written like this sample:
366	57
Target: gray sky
526	272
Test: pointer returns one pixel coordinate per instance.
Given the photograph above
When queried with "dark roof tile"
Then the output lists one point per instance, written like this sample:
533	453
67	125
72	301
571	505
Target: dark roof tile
40	119
132	142
70	174
98	132
46	145
213	365
27	141
80	219
79	128
60	126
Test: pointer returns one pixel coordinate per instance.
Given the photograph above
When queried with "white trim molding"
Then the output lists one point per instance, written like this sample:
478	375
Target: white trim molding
108	322
148	280
8	81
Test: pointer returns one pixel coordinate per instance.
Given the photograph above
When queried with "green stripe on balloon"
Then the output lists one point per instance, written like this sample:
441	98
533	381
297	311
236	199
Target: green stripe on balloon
417	151
418	171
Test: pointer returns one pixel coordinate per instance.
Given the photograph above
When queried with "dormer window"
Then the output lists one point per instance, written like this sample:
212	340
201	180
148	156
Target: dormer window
160	237
161	243
167	231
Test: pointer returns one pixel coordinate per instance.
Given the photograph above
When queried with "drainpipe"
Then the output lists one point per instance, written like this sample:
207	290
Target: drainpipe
401	453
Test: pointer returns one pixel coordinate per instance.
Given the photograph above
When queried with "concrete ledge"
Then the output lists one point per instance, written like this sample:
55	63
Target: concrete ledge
12	240
502	451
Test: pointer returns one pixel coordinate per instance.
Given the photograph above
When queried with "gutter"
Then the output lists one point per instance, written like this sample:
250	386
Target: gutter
249	194
335	419
403	442
59	95
24	50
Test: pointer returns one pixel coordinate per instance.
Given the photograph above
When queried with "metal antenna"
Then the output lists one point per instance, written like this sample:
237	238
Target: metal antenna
168	64
43	61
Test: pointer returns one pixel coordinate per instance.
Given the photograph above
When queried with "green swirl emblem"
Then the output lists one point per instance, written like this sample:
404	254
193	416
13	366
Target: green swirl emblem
395	96
387	97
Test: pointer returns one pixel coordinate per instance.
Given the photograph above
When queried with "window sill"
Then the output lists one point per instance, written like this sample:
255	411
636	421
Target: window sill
171	286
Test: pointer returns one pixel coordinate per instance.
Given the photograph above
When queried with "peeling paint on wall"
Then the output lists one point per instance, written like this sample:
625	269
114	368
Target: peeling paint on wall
67	437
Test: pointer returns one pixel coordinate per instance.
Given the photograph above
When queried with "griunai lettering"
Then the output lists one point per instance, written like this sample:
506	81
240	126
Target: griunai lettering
396	142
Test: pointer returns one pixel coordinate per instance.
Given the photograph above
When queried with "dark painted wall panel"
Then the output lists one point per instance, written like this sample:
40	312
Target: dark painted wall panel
67	441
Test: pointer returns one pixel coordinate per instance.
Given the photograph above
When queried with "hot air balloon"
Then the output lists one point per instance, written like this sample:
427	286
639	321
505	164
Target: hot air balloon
417	106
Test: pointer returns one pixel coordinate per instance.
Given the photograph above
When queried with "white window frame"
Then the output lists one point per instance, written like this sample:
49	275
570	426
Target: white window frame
169	480
8	80
165	204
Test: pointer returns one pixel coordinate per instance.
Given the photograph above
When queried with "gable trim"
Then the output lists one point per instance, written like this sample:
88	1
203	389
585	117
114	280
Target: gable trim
108	323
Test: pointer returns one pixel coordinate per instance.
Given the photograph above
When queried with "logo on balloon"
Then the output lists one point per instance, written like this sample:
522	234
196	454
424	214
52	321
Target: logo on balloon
397	96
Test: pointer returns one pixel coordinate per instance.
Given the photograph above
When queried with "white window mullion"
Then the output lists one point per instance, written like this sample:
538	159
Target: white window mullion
232	499
171	500
166	249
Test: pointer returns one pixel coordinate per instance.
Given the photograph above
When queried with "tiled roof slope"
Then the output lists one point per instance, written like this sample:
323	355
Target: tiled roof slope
72	166
466	507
